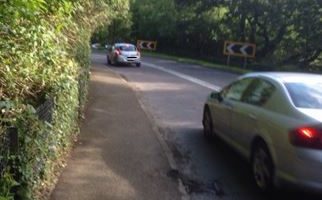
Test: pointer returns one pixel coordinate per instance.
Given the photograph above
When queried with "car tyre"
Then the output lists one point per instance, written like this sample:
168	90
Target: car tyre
262	167
207	123
108	61
113	62
138	64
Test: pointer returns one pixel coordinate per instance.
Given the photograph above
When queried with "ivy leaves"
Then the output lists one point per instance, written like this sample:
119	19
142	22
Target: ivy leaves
44	52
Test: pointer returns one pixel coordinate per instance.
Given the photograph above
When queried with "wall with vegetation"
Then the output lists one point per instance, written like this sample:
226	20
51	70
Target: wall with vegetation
44	54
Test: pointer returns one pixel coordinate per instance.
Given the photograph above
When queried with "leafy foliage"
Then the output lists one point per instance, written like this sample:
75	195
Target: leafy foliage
119	27
286	32
44	53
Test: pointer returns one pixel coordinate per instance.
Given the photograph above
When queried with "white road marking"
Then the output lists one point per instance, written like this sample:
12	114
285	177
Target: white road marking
183	76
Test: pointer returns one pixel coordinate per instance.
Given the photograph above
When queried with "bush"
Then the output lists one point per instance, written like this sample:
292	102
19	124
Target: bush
44	52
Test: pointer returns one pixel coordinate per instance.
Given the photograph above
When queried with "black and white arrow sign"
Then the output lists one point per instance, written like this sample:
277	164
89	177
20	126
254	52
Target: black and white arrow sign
241	49
150	45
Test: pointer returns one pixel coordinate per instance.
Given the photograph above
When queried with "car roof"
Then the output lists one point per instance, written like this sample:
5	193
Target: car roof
286	77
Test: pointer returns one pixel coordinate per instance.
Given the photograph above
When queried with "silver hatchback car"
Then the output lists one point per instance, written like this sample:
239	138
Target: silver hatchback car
123	53
275	121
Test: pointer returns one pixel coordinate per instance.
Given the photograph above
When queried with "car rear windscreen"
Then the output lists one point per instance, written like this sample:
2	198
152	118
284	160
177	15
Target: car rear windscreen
127	48
306	95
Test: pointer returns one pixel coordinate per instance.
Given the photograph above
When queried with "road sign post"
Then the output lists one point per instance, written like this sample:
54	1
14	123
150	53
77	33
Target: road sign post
245	62
228	60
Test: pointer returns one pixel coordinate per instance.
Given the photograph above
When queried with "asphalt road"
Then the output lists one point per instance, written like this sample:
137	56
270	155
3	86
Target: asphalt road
173	94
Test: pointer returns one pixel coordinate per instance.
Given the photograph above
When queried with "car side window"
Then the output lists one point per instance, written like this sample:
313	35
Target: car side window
235	90
258	92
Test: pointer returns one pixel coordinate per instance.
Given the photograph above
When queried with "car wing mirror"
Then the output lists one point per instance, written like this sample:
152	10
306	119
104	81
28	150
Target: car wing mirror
217	96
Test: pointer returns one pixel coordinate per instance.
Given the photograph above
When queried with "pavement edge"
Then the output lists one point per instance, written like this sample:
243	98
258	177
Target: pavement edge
156	129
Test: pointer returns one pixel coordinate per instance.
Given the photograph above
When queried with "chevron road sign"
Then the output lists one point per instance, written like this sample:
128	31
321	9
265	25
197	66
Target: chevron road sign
149	45
241	49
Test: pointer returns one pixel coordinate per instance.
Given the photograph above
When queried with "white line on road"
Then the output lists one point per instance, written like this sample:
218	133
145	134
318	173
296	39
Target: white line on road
184	76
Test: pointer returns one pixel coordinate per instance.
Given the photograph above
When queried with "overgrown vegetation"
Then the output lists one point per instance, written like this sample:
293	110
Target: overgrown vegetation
286	32
44	54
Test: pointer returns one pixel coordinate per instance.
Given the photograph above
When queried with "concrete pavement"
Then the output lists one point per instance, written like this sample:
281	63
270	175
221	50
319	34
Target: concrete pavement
118	155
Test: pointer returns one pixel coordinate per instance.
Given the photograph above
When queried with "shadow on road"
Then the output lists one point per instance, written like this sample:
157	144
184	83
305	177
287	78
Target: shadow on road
236	181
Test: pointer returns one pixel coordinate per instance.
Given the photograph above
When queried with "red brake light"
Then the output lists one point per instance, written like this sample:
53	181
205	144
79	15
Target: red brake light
307	137
118	52
307	132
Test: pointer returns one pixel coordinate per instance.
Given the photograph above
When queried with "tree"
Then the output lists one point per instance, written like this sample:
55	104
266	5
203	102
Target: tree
285	31
153	19
118	28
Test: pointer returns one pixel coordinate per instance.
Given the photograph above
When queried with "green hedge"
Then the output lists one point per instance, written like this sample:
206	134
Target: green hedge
44	54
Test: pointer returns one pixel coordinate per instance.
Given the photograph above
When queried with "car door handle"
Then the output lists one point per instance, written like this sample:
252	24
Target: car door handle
252	116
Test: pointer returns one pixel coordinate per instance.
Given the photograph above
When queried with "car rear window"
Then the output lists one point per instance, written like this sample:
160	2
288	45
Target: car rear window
127	48
306	95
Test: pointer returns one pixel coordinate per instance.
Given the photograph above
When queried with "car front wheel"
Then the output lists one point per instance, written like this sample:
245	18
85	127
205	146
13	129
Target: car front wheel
113	62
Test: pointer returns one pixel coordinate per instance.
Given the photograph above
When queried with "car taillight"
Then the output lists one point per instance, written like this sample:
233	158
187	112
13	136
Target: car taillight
118	52
307	137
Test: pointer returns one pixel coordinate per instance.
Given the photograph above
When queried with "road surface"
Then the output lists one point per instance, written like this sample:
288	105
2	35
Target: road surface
173	95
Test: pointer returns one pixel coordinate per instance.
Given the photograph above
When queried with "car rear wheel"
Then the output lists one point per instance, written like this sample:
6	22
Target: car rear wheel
262	167
207	123
108	61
